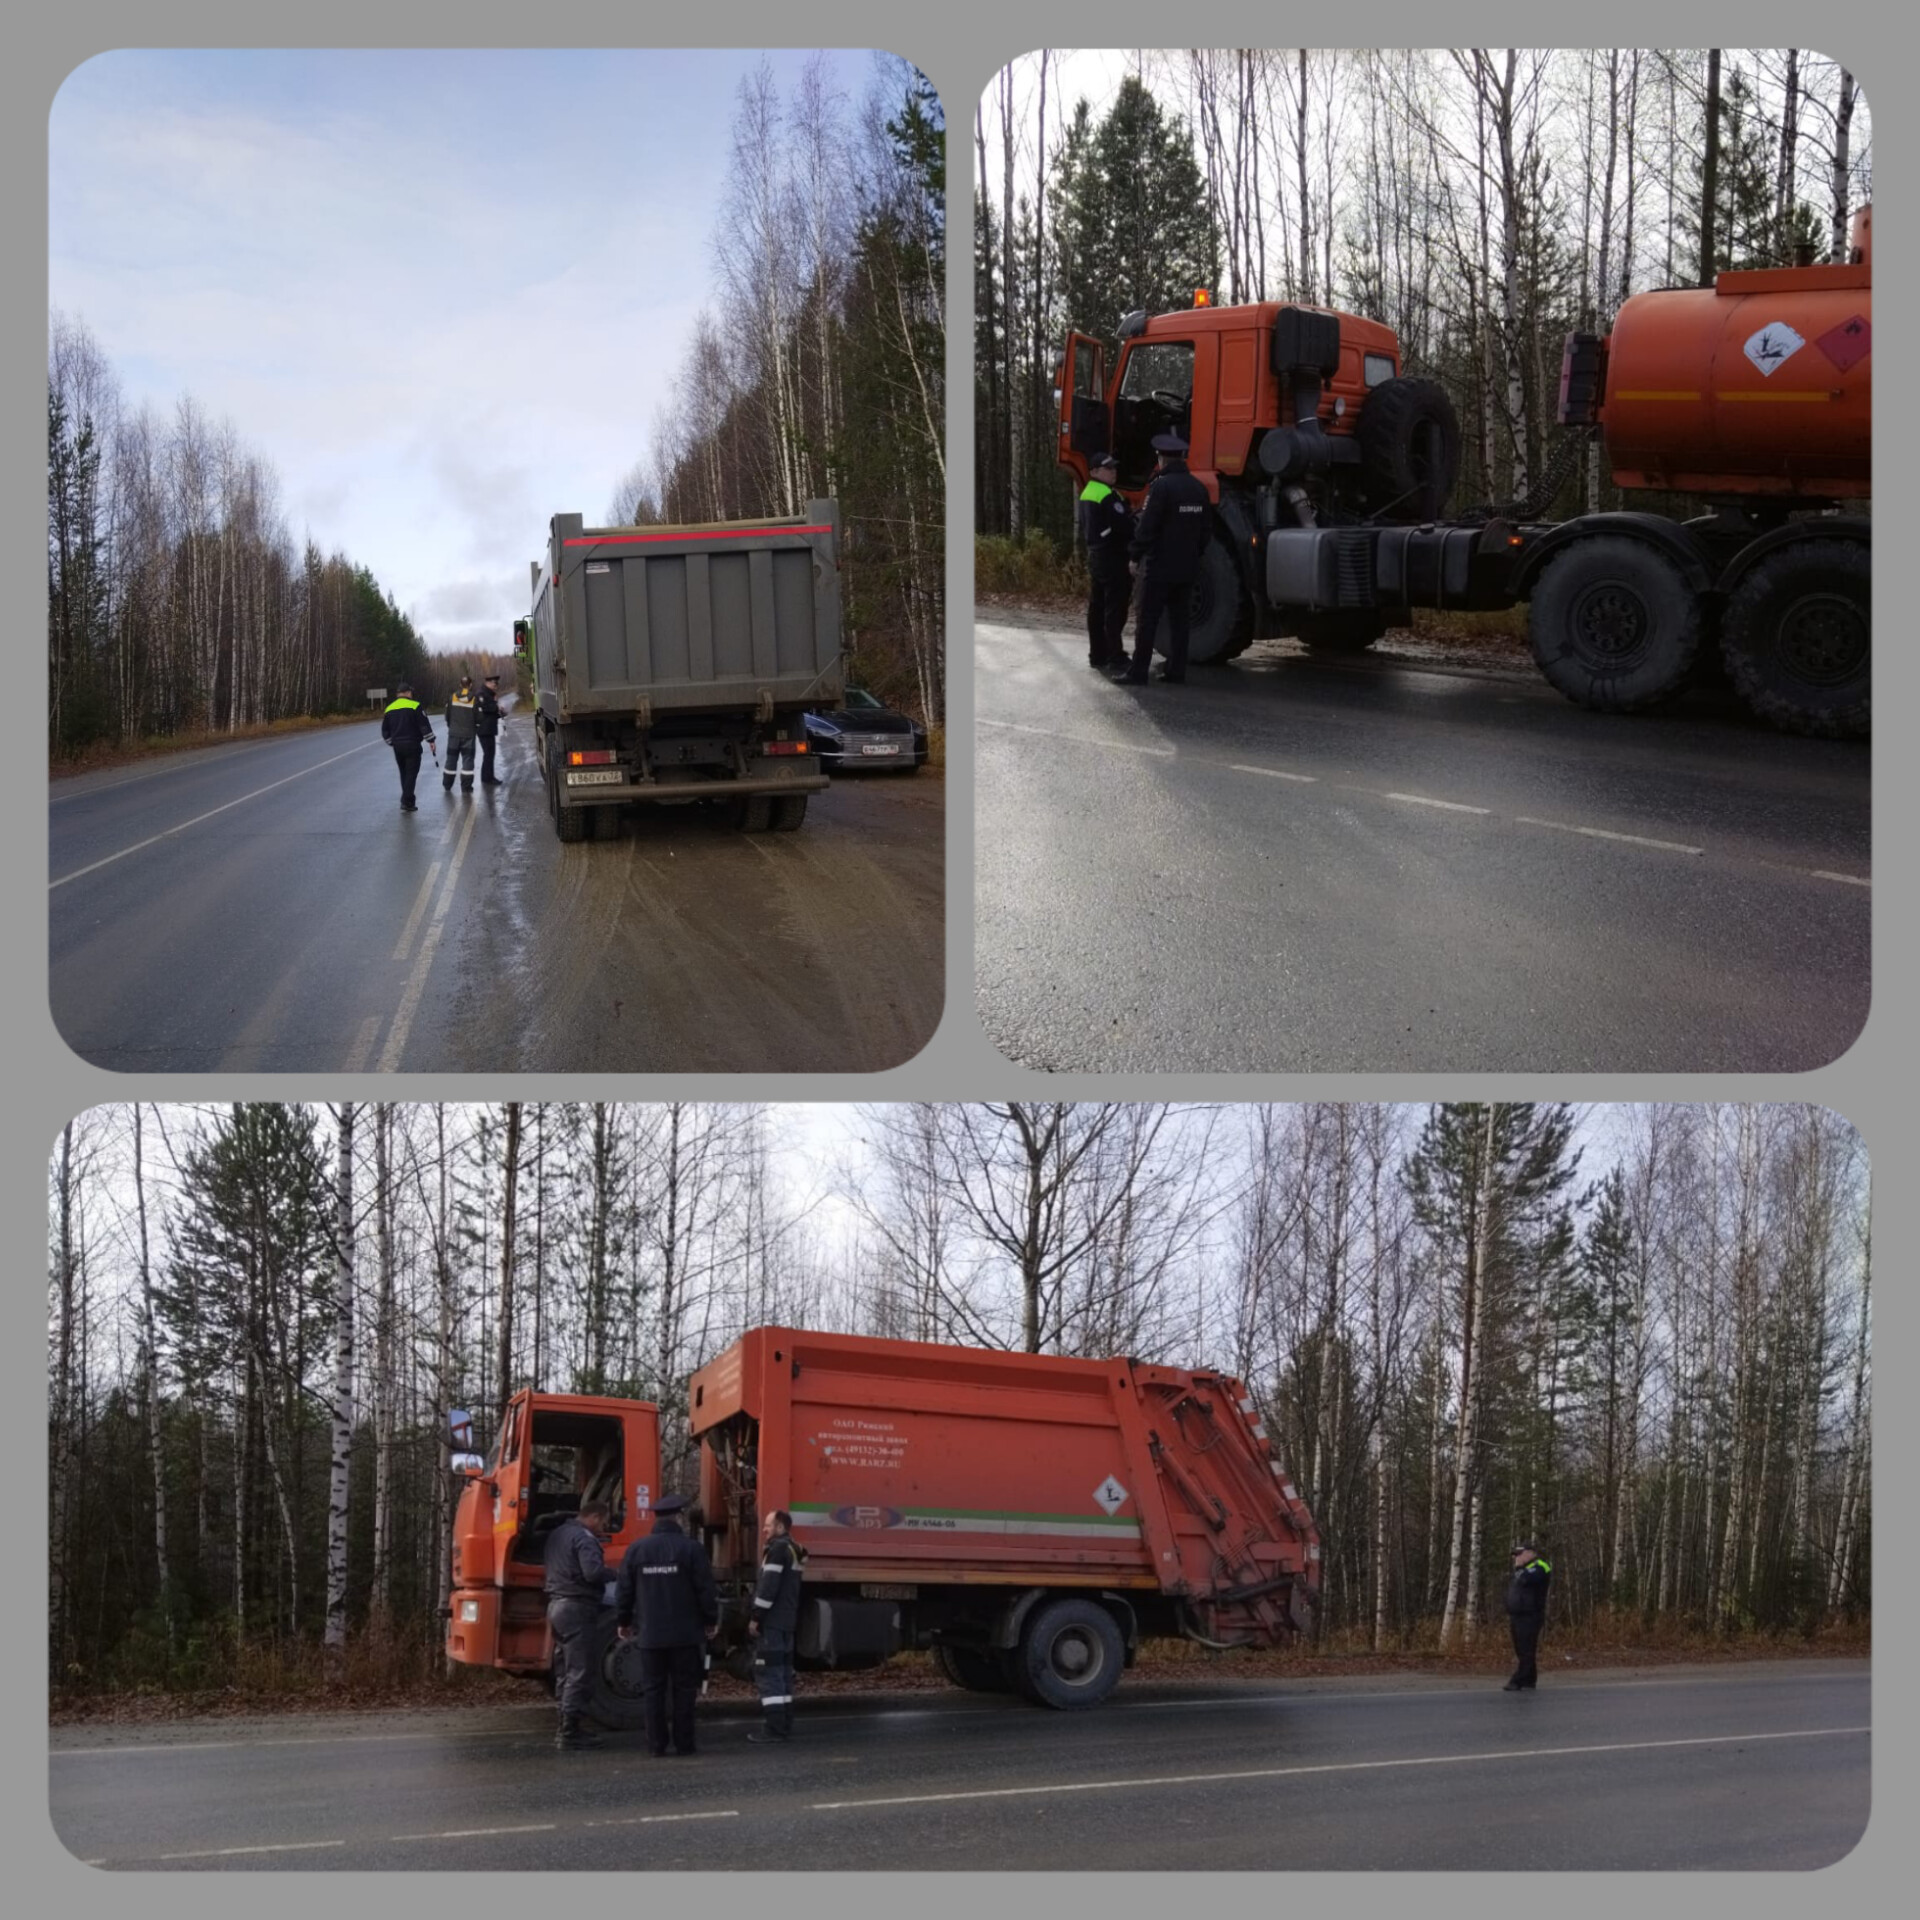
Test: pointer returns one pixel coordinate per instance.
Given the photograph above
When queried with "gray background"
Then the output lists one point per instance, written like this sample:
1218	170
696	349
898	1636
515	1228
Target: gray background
959	47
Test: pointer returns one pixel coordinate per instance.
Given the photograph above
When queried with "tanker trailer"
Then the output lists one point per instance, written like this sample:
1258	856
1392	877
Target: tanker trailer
1029	1518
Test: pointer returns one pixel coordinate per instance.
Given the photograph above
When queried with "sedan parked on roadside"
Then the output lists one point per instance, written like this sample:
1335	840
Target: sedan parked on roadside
865	735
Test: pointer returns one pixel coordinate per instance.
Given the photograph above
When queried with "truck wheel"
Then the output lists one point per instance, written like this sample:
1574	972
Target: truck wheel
1071	1654
1221	627
1614	624
615	1700
1338	632
570	823
753	814
1409	438
976	1672
1797	638
789	810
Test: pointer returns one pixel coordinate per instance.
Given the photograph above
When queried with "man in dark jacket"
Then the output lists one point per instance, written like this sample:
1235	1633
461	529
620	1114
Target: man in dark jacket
486	723
1526	1612
775	1623
1169	543
667	1599
1106	525
463	714
405	728
576	1585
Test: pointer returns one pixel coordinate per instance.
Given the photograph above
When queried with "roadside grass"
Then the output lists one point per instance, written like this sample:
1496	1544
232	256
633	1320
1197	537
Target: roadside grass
1031	564
120	753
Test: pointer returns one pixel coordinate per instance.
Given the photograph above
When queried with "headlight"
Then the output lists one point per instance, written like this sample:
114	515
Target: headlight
823	726
469	1611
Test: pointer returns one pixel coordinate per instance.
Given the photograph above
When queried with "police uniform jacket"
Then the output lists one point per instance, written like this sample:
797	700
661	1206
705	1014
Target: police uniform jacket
462	712
1527	1589
666	1591
776	1600
1174	527
405	724
486	709
1106	525
576	1568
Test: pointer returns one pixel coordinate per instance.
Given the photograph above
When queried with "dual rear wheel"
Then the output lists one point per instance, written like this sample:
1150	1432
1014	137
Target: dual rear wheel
1070	1655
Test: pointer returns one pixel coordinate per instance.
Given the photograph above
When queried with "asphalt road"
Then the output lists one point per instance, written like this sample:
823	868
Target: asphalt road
1751	1766
1294	864
267	906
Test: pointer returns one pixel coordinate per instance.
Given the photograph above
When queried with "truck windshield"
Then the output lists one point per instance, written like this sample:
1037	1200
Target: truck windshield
1156	393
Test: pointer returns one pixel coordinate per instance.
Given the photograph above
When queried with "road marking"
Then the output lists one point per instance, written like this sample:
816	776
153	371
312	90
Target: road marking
417	980
1337	1766
1421	800
662	1819
363	1043
1085	739
425	894
1274	773
1601	833
284	1846
155	839
1845	879
473	1833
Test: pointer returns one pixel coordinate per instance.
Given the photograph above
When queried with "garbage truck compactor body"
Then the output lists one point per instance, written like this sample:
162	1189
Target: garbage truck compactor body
675	664
1029	1518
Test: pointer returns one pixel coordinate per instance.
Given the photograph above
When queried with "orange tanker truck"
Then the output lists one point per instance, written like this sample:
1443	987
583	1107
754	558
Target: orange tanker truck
1029	1519
1330	471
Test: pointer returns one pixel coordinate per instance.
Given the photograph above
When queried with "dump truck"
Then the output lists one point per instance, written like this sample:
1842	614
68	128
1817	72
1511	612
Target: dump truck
674	664
1330	471
1029	1519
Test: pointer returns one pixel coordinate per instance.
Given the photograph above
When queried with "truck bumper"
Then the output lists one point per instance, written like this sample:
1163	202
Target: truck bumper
607	793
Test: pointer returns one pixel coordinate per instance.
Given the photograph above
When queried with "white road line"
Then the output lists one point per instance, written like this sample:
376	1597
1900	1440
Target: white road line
664	1819
1421	800
476	1833
1274	773
405	942
1338	1766
1845	879
1601	833
1085	739
285	1846
155	839
363	1043
417	980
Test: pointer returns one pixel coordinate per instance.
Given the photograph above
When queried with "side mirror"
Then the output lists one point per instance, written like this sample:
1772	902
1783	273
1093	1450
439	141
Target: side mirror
469	1464
461	1424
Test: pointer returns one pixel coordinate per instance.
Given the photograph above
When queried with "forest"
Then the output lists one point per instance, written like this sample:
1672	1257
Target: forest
1483	202
817	370
1639	1335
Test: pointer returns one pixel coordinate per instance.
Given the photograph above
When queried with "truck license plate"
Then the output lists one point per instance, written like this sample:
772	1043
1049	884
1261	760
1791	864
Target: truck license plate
600	777
879	749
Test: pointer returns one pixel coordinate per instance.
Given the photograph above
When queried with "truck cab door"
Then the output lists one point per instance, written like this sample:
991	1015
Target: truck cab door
512	1479
1085	428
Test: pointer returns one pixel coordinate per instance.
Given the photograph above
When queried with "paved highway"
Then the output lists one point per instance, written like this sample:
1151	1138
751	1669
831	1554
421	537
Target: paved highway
1294	864
267	906
1752	1766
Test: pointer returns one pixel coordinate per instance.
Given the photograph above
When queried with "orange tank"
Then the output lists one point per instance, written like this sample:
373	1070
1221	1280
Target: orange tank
1762	384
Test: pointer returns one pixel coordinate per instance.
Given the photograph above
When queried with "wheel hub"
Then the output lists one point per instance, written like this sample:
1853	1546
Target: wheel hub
1075	1657
1823	639
1610	623
623	1669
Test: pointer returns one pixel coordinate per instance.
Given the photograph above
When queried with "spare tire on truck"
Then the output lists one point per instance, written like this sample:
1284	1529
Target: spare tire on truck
1409	438
1614	623
1220	623
1797	634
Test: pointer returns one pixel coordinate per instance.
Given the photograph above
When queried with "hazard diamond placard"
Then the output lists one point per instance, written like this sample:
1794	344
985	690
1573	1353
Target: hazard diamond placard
1110	1496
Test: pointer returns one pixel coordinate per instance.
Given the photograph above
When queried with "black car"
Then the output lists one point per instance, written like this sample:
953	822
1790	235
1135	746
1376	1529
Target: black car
864	734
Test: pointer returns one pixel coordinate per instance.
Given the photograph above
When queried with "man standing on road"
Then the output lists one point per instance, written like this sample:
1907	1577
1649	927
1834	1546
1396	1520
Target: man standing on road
1526	1612
667	1597
405	728
463	714
576	1585
1168	545
1106	525
487	724
775	1623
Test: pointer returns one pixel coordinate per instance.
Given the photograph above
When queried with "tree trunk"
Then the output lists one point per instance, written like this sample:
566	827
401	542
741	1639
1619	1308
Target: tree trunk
338	1479
1842	164
150	1377
504	1370
1710	169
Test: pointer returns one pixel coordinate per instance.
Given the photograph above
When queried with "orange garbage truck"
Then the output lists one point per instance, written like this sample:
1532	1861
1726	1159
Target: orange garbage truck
1330	472
1027	1518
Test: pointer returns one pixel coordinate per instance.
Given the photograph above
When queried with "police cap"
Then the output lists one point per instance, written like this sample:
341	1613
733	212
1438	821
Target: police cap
1168	443
671	1503
1104	460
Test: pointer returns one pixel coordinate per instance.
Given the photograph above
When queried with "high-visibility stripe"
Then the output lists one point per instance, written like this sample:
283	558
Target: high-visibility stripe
639	539
936	1520
758	1602
1649	393
776	1699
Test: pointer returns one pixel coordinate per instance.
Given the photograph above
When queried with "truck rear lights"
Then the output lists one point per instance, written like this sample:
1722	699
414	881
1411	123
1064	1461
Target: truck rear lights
783	746
592	757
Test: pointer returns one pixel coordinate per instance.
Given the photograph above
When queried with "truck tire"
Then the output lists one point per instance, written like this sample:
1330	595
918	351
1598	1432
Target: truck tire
753	814
615	1700
1409	437
1221	627
973	1671
570	823
1614	624
1338	632
1797	638
1070	1654
789	811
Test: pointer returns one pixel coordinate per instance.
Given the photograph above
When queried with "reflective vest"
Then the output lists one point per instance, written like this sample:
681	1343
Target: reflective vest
403	705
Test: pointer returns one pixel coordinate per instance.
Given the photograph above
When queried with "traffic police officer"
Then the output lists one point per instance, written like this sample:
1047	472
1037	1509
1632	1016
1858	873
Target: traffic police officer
576	1585
775	1622
1169	542
667	1599
1106	525
462	718
487	724
1526	1611
405	727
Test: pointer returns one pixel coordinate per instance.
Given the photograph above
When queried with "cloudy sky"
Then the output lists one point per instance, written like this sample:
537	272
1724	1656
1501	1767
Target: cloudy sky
442	293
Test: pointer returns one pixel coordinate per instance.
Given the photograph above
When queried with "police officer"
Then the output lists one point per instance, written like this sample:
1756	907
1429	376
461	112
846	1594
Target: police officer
576	1586
667	1599
1106	525
405	727
1168	544
487	724
463	714
1526	1612
775	1622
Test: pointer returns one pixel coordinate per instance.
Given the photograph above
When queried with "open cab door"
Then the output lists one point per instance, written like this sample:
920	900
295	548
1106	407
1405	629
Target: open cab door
1084	424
